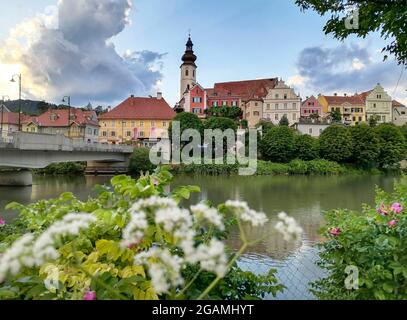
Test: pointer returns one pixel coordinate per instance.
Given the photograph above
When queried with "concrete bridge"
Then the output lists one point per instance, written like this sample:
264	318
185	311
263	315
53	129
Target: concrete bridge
21	151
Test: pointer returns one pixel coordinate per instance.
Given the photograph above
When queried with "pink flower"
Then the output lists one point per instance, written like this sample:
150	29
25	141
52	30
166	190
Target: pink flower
392	223
2	222
396	207
382	210
335	231
90	295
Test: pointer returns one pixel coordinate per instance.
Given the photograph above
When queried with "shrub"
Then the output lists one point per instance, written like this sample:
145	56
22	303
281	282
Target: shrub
140	161
306	147
335	143
65	168
392	145
187	121
265	168
278	144
220	123
365	146
372	243
284	121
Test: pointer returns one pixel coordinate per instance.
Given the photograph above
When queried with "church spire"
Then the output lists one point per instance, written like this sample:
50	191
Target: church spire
189	57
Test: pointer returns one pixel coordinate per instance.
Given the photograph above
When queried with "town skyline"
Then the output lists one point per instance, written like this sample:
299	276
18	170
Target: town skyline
308	60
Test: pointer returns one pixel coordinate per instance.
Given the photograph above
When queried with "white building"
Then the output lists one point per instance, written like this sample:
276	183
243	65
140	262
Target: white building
282	101
399	113
312	127
378	104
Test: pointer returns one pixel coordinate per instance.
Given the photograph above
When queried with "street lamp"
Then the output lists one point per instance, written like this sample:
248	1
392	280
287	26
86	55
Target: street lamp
3	99
13	79
68	99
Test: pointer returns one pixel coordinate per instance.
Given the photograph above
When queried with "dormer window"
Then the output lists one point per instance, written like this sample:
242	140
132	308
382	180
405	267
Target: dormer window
53	117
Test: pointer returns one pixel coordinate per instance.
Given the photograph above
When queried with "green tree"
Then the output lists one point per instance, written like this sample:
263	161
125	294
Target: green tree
403	130
392	145
373	120
140	161
306	147
336	116
284	121
265	126
387	16
187	121
365	146
335	143
234	113
220	123
278	144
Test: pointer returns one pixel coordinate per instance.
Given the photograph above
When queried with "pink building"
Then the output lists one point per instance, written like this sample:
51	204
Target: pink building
311	106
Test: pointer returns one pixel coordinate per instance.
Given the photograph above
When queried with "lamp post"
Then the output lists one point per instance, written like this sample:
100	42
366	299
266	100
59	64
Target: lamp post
68	99
3	99
13	79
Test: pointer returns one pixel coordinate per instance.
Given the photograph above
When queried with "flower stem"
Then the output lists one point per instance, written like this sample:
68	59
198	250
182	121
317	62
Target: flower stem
217	279
189	284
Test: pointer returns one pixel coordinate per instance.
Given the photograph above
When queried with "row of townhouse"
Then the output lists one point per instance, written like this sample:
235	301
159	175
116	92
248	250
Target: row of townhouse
134	121
272	99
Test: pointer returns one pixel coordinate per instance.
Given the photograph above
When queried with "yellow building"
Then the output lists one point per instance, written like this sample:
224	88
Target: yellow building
136	121
351	108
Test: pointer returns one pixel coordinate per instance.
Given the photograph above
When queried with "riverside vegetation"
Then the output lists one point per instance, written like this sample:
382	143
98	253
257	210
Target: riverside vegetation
132	241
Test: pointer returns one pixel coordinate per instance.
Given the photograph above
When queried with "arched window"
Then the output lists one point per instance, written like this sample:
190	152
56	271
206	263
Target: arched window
188	87
193	73
187	72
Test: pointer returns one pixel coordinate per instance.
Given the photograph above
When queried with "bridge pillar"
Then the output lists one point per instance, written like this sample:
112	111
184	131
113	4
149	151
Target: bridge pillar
18	178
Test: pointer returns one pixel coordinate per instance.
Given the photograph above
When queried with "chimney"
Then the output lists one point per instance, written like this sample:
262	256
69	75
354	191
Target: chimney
335	94
345	95
132	96
159	95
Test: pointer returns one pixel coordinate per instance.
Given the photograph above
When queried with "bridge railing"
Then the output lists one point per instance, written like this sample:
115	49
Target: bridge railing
57	142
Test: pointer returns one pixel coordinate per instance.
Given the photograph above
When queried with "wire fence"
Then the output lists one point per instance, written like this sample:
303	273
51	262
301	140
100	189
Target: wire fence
296	272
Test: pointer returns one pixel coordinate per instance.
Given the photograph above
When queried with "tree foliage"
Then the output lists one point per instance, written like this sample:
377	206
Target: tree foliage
234	113
306	147
365	146
140	161
388	17
335	143
284	121
220	123
278	144
392	145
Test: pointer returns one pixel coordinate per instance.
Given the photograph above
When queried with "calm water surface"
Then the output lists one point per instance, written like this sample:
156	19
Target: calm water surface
302	197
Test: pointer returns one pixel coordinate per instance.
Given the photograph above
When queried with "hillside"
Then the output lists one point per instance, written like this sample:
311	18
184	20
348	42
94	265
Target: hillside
30	107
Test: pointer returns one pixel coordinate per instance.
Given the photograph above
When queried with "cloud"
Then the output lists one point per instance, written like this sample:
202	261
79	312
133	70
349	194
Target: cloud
68	50
346	69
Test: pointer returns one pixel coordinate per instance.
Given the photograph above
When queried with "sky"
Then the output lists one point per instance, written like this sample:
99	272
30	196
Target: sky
101	51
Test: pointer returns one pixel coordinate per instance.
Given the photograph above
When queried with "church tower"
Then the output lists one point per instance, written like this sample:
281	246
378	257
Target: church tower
188	68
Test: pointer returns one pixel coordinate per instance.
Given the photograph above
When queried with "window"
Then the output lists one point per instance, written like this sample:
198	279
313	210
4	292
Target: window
256	113
256	104
133	123
379	96
332	109
153	124
360	118
294	116
215	104
104	134
285	96
285	105
113	123
353	118
310	130
196	110
128	134
164	124
276	106
196	99
276	116
294	106
224	103
89	130
124	123
141	134
268	106
141	124
193	73
95	132
187	72
113	133
276	96
374	105
234	103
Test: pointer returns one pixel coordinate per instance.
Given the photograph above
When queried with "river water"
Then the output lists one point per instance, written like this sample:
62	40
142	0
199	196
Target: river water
303	197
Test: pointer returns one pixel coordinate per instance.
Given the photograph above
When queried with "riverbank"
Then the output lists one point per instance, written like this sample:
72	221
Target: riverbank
266	168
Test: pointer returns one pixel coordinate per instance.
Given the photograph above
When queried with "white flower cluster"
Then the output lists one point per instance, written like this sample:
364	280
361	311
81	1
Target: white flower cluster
211	215
212	257
134	231
288	227
28	251
163	268
246	214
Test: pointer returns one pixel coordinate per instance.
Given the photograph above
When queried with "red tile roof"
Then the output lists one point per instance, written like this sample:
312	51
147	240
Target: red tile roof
141	108
246	90
338	100
59	118
396	104
364	95
10	118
